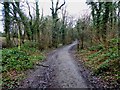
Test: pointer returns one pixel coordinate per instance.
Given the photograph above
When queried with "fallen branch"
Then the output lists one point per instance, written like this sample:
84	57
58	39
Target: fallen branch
42	65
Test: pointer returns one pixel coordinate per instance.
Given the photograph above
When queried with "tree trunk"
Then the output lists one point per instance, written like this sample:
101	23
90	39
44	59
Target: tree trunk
7	23
55	20
105	20
119	28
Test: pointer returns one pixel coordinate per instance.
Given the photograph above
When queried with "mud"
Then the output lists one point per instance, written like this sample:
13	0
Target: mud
59	70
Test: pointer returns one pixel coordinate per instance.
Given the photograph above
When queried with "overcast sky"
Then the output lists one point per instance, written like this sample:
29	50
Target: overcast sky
75	8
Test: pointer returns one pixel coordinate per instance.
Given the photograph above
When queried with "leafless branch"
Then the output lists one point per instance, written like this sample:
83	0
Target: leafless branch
29	9
61	5
52	6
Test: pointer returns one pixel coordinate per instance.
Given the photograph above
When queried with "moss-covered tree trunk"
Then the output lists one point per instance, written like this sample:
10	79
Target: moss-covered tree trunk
105	20
24	20
119	28
55	20
7	22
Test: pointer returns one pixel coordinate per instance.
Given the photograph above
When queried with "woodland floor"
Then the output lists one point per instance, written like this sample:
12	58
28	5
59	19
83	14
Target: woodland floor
60	70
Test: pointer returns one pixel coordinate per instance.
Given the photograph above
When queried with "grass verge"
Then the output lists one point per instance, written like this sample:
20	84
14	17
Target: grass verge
104	62
16	61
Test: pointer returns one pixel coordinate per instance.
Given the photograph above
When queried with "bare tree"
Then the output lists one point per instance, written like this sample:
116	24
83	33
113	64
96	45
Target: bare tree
55	20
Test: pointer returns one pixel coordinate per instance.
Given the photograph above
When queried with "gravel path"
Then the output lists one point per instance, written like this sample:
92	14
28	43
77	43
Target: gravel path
58	71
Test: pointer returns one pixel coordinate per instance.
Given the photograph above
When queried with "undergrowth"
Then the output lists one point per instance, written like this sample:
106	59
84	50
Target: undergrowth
15	62
104	62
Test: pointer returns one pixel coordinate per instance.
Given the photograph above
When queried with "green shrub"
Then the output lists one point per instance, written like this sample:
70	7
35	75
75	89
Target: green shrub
15	59
90	57
113	41
106	64
18	60
29	44
98	47
102	67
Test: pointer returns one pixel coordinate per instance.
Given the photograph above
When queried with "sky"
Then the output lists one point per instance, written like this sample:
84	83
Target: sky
75	8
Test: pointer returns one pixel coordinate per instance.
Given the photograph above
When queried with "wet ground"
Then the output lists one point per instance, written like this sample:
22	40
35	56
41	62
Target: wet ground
60	70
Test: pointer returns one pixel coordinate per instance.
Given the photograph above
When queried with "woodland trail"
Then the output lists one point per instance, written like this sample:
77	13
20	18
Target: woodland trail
58	71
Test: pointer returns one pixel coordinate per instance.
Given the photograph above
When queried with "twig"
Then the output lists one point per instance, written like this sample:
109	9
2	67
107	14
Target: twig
42	65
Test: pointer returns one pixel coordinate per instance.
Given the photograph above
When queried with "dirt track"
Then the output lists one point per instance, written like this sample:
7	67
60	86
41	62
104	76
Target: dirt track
58	71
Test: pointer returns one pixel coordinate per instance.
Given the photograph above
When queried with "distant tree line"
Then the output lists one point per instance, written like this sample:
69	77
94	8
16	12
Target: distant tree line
50	31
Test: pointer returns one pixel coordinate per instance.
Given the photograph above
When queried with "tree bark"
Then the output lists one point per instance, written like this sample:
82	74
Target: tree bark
119	28
7	22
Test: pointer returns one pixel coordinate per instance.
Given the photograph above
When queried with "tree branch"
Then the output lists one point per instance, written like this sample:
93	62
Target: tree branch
29	10
61	5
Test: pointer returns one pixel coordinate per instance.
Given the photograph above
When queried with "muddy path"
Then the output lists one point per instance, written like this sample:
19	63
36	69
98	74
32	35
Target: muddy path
60	70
